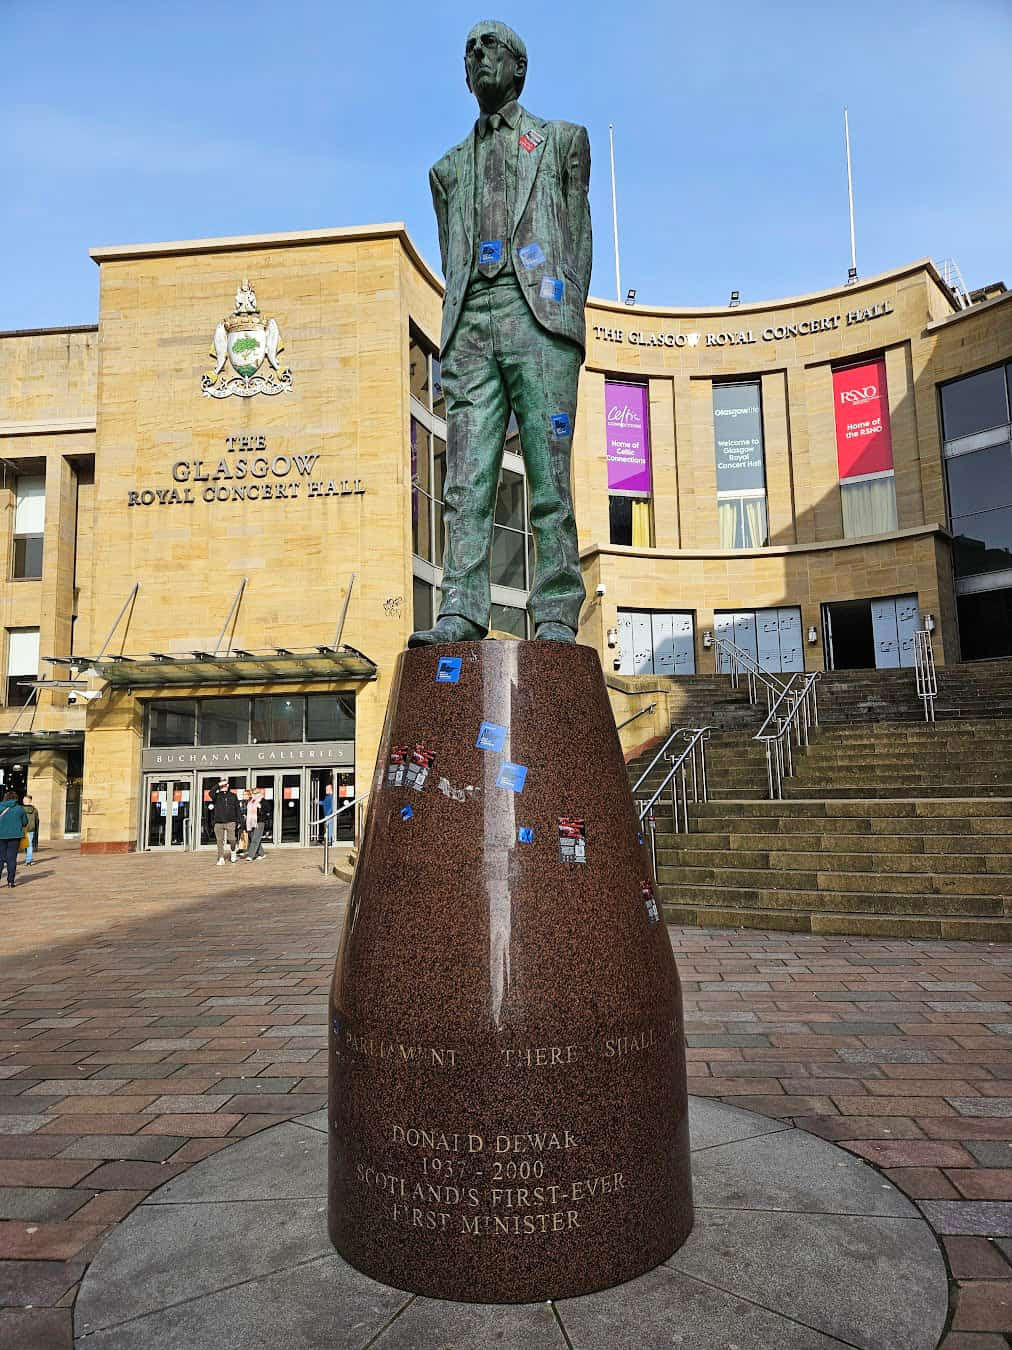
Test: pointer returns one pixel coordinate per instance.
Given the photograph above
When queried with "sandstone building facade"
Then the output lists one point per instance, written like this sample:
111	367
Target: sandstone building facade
214	572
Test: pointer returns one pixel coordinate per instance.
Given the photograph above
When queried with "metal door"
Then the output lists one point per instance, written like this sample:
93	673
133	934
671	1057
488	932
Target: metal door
768	645
908	621
884	634
792	651
664	644
684	641
643	645
745	633
625	642
723	627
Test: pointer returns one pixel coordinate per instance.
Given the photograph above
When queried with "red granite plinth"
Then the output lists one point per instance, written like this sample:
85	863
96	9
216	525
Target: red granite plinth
508	1117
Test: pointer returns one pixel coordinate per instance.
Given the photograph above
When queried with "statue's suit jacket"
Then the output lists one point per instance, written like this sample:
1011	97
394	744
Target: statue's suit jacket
550	208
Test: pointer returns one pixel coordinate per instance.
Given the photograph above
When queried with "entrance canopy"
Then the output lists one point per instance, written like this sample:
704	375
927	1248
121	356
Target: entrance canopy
236	667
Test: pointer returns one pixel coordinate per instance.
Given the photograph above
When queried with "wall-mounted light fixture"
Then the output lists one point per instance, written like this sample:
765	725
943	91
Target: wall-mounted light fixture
612	637
630	296
813	635
929	622
708	639
735	298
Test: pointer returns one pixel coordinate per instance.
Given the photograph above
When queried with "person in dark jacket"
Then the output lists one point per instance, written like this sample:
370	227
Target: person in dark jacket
226	814
13	823
32	813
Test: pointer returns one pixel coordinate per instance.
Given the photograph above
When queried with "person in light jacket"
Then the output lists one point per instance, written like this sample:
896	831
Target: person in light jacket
13	823
255	826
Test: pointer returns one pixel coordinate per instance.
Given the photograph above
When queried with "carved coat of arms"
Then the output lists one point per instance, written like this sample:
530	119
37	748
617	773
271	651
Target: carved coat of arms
244	341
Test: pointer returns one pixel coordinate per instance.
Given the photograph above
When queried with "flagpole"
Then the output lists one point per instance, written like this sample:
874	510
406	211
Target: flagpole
614	211
850	197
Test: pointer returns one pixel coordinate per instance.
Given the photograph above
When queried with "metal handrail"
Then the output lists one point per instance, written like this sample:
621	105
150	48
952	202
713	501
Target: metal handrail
742	662
649	708
802	702
355	801
924	671
691	760
679	731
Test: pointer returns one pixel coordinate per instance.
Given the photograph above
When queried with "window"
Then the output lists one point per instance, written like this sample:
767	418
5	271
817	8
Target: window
172	723
223	721
741	466
512	553
978	473
22	664
277	718
29	526
627	422
864	451
330	717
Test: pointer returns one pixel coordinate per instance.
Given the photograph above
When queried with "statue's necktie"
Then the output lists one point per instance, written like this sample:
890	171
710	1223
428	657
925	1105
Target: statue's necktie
494	207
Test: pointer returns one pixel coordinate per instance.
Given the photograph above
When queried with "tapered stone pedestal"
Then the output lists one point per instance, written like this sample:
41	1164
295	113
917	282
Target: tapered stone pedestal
507	1069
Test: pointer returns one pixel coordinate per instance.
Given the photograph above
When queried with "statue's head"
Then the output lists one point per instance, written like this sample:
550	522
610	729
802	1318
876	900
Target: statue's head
495	64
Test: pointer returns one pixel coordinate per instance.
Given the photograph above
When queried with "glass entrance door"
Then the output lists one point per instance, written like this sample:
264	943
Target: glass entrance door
168	812
336	787
282	810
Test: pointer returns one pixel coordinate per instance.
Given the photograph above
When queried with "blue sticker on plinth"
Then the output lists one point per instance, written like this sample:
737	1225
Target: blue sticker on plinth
448	670
639	835
406	813
525	835
561	426
531	255
491	736
551	289
512	776
490	251
336	1024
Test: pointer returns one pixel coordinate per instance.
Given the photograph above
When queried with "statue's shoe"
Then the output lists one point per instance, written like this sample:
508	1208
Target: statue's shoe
450	628
554	632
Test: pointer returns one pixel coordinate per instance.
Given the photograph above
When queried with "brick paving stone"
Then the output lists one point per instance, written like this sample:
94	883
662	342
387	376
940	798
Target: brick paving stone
133	1175
110	1206
45	1241
37	1284
990	1153
911	1153
923	1183
103	1147
41	1172
976	1258
984	1217
983	1305
970	1340
982	1106
990	1183
38	1329
195	1125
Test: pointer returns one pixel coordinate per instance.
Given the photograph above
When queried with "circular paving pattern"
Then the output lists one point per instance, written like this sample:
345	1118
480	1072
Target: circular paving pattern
797	1245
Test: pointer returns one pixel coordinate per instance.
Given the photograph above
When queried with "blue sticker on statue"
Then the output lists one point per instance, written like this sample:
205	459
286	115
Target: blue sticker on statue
490	251
561	426
491	736
525	835
448	670
512	776
531	255
406	813
551	289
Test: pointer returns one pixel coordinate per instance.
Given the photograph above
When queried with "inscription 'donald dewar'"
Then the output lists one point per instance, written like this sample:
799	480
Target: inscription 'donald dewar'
475	1182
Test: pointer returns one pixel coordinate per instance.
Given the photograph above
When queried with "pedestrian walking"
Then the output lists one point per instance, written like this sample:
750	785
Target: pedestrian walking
33	829
13	823
328	811
226	812
255	827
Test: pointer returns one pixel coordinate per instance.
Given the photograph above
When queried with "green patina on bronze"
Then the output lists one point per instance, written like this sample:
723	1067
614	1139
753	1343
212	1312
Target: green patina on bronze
515	238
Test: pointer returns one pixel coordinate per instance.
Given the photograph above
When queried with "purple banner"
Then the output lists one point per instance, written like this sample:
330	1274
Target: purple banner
628	444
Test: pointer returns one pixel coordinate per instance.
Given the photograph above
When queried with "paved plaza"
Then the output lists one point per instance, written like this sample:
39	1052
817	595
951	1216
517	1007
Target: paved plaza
156	1010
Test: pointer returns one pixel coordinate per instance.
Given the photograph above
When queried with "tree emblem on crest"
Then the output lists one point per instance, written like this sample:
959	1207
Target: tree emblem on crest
245	340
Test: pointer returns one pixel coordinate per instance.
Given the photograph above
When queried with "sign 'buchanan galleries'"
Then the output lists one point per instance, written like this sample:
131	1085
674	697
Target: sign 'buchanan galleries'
245	475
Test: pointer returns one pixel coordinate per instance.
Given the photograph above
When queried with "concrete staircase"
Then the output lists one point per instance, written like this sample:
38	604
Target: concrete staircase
890	826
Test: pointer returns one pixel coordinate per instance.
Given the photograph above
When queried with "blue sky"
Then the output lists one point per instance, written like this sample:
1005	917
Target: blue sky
132	123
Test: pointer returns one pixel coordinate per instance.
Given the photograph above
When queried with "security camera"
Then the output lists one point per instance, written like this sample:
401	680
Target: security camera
87	694
599	589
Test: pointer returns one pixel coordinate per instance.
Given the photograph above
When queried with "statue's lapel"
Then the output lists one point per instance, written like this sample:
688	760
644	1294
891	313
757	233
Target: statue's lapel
535	132
466	194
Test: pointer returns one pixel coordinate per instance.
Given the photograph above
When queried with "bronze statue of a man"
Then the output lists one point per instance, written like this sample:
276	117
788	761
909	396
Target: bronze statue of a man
515	239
